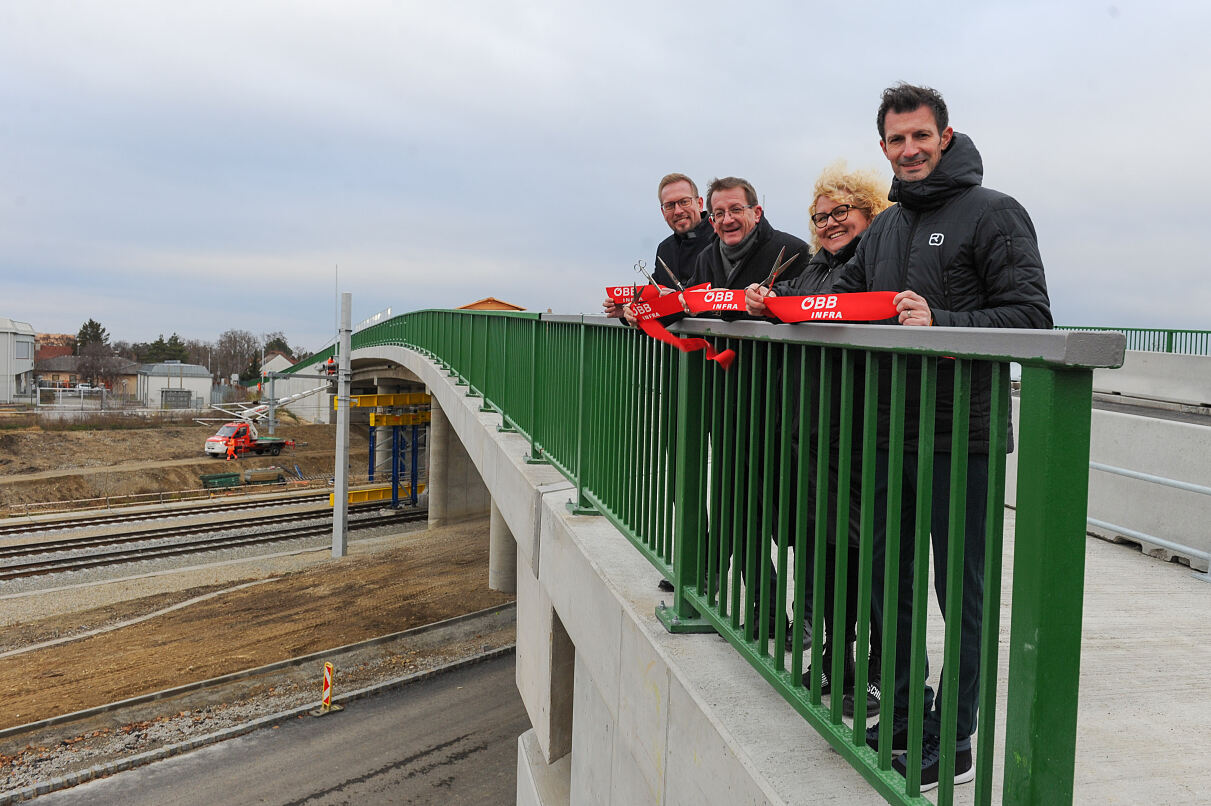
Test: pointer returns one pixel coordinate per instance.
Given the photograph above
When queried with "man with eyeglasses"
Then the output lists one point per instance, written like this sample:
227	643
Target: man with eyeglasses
958	255
746	245
682	209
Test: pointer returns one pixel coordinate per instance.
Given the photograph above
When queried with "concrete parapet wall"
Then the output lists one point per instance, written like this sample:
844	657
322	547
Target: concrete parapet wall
1159	376
623	711
1158	447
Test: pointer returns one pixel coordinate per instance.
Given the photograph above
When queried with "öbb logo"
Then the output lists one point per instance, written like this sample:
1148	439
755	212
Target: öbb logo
821	307
818	303
718	296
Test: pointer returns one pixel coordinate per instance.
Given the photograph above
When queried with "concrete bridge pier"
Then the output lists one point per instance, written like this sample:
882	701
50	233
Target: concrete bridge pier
502	554
382	442
456	490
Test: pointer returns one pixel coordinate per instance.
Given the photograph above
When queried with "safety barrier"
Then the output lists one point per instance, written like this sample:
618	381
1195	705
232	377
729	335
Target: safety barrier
1161	340
733	484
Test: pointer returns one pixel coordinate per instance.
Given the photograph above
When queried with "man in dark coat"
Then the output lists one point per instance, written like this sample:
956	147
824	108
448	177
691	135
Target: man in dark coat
958	254
681	207
746	245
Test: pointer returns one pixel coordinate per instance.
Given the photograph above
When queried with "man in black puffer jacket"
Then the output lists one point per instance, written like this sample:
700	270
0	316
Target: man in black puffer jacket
958	254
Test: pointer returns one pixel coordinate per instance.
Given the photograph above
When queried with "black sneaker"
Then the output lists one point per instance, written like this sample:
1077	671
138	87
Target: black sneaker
825	686
930	755
899	735
873	697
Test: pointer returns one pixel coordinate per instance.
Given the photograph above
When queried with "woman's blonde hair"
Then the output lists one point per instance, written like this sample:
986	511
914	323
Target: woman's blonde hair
864	189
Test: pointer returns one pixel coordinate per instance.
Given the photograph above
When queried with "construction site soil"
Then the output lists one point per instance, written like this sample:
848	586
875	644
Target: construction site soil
240	615
44	466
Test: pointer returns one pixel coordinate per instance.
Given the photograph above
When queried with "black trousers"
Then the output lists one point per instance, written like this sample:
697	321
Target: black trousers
973	580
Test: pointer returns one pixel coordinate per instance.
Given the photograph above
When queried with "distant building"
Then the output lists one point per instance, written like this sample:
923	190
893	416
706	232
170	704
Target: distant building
173	385
119	375
276	361
53	345
490	304
16	360
58	371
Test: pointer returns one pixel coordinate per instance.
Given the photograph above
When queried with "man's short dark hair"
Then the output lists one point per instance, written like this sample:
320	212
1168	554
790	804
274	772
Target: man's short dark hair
728	183
907	98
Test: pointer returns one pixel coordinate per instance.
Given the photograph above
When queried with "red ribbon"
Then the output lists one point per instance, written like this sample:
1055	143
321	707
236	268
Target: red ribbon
867	306
708	300
656	307
622	294
657	331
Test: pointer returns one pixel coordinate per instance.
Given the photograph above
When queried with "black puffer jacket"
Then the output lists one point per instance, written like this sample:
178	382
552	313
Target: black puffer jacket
680	251
756	265
971	252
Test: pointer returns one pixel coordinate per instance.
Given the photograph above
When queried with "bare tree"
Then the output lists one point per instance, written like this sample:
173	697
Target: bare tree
98	364
233	351
200	352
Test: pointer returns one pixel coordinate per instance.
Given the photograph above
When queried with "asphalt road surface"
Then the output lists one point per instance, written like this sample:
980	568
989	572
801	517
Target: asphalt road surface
449	740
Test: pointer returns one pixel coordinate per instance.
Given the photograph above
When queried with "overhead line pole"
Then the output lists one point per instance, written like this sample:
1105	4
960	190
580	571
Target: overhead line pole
340	500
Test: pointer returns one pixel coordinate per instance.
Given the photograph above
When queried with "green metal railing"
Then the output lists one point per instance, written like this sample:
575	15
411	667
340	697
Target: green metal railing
1160	340
734	483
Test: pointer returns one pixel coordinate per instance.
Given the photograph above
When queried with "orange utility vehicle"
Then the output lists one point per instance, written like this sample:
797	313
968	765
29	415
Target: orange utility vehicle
246	439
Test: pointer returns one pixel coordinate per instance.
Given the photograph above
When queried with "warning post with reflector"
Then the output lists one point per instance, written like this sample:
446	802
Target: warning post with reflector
326	706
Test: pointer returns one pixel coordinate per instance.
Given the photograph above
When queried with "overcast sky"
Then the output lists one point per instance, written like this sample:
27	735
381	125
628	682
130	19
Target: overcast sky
194	167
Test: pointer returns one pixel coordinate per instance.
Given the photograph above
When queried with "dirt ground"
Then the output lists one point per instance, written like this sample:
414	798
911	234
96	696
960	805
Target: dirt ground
43	466
429	577
299	605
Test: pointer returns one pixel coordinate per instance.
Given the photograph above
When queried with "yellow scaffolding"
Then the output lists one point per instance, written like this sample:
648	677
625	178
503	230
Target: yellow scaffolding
416	418
377	494
375	401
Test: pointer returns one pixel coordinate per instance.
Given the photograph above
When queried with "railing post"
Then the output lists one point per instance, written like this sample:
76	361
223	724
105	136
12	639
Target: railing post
1048	586
689	501
534	457
581	506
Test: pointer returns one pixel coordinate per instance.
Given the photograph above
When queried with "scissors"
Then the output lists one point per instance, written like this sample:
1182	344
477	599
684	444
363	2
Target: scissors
676	282
641	268
779	266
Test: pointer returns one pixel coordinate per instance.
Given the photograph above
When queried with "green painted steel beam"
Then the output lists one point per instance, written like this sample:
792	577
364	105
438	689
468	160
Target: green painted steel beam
1048	587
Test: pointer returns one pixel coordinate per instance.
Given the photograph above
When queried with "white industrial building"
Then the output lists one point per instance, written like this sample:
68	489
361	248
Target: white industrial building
16	360
174	385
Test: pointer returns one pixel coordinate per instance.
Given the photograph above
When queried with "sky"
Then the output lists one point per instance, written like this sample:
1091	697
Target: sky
197	167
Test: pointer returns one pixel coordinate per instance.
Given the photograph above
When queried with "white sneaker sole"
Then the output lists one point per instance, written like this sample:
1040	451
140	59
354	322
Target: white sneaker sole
965	777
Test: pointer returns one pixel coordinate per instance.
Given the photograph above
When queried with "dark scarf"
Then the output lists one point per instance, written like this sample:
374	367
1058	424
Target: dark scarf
735	255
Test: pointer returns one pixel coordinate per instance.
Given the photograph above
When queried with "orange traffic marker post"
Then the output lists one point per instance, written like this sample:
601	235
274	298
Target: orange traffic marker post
326	706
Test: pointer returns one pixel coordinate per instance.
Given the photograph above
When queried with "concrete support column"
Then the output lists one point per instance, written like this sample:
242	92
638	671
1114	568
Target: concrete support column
382	447
456	490
440	435
502	554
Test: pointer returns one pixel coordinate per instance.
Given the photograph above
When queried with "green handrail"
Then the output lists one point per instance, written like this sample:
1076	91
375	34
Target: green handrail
1161	340
732	484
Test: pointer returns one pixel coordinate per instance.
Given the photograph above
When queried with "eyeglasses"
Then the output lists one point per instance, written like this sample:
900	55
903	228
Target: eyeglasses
734	212
838	214
684	204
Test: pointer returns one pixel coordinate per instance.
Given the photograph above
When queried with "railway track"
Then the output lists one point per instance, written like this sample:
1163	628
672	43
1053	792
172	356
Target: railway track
17	563
64	524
